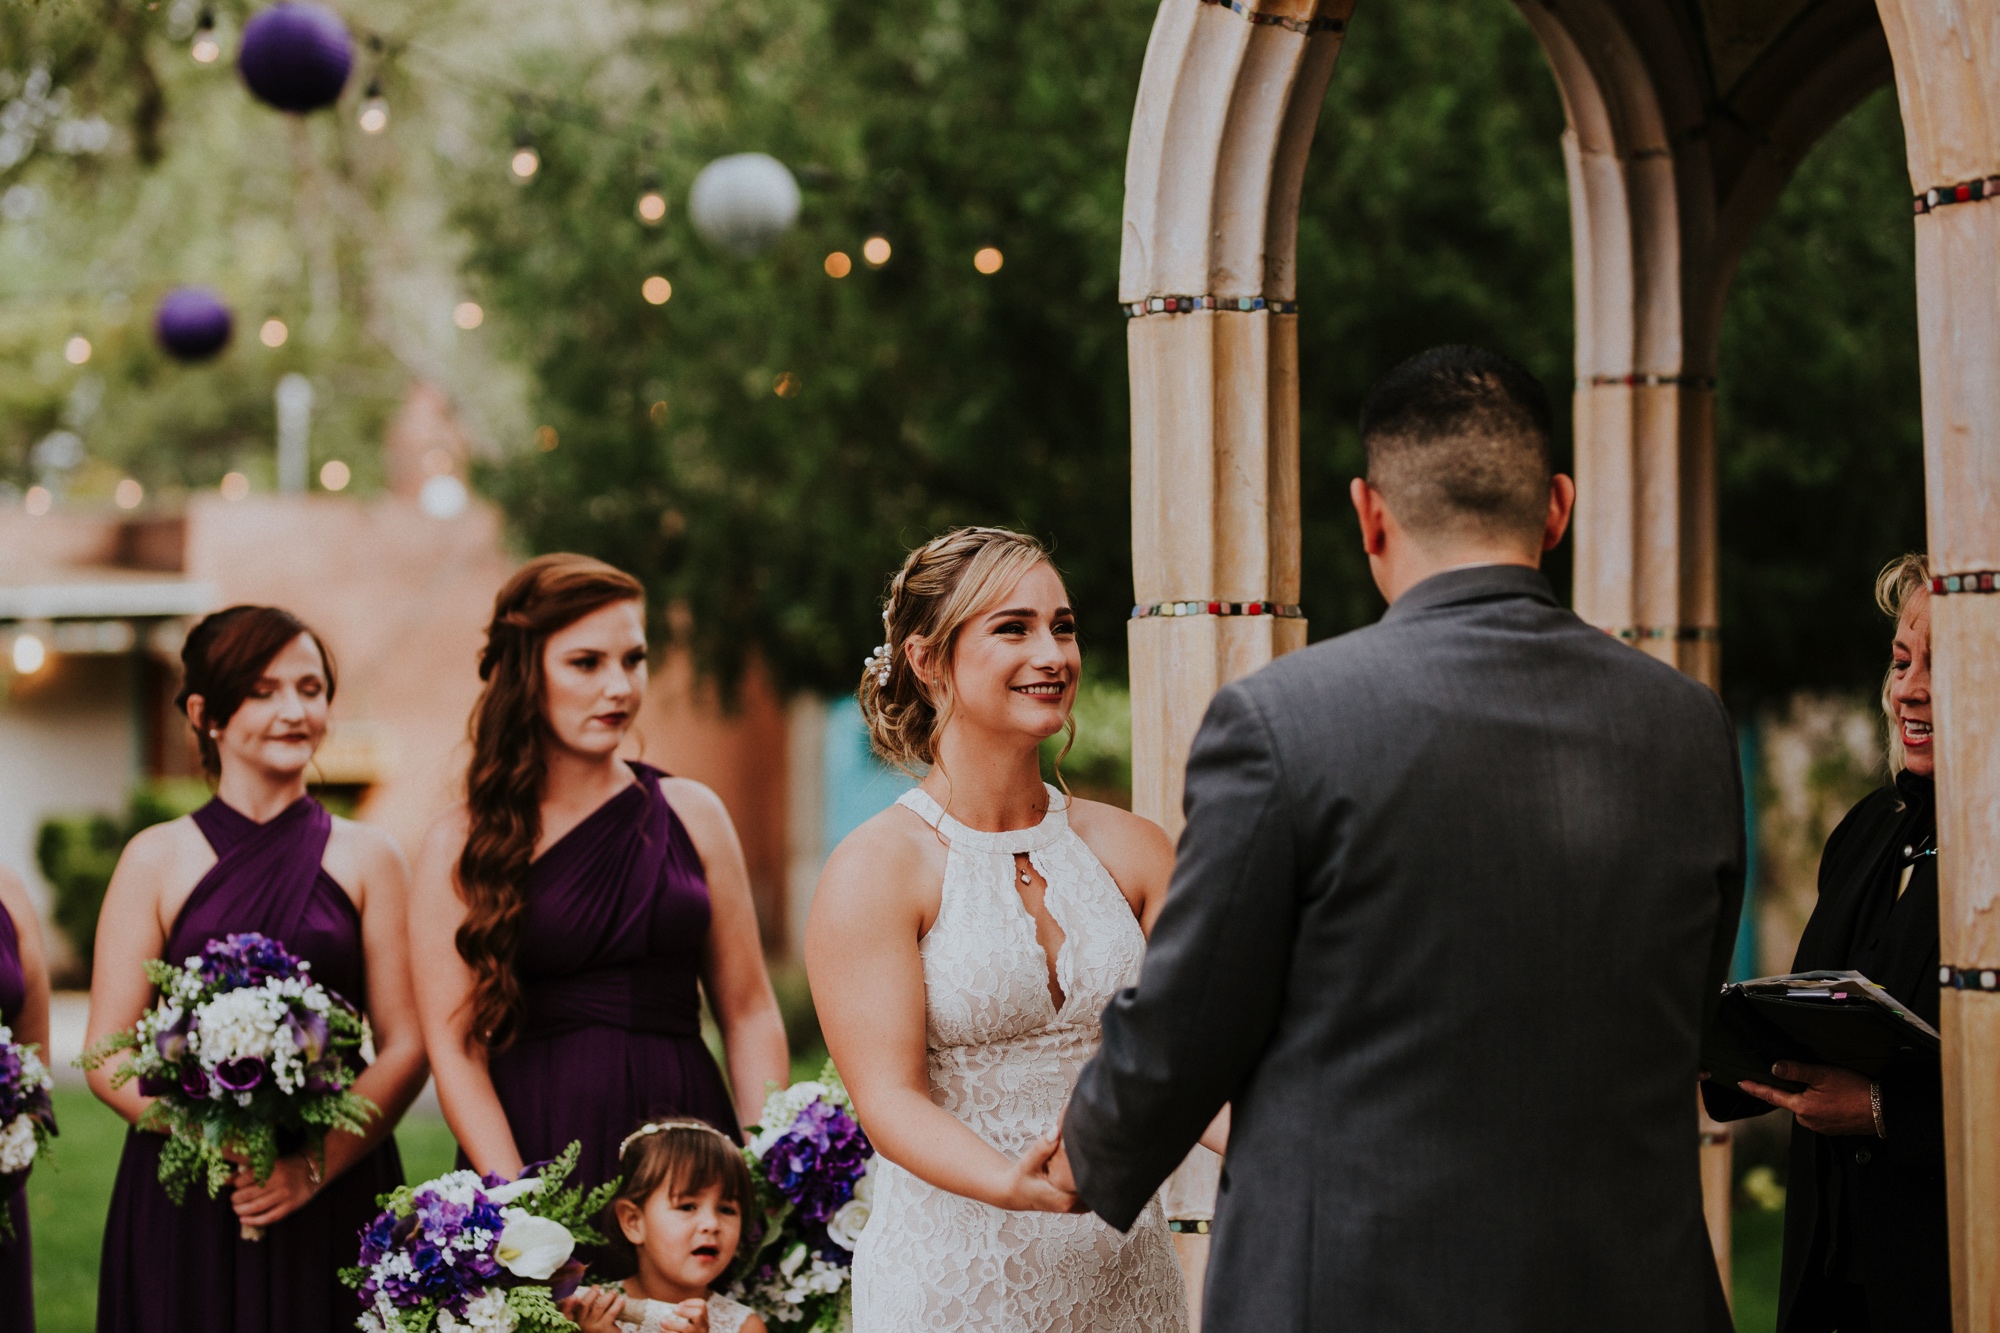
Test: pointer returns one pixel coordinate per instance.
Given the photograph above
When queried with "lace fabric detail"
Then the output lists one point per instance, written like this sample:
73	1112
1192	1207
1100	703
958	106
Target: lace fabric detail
724	1316
1003	1057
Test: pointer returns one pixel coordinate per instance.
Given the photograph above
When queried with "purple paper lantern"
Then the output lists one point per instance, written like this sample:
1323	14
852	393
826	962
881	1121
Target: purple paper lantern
296	56
192	323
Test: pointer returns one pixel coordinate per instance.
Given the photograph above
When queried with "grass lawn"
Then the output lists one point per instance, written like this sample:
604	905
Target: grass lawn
69	1192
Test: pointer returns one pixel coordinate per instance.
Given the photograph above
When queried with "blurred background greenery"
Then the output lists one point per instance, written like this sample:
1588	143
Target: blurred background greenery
914	395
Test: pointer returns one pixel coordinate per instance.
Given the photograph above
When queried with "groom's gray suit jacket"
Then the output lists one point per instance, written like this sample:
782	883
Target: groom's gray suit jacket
1455	894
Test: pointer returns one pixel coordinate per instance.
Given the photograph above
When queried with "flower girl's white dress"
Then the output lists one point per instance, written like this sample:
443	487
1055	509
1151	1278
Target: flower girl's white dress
1003	1059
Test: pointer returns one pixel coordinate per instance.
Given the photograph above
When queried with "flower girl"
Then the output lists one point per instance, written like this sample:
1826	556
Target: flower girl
683	1192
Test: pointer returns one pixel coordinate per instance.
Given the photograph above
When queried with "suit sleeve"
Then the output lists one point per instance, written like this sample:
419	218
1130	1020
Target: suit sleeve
1180	1044
1721	1101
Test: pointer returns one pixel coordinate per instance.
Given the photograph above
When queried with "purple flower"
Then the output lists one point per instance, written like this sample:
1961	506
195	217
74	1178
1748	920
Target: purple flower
247	959
309	1032
565	1280
240	1075
424	1236
172	1042
817	1161
194	1083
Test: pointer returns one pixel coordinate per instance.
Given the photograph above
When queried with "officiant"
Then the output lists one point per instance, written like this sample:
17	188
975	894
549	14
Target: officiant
1866	1246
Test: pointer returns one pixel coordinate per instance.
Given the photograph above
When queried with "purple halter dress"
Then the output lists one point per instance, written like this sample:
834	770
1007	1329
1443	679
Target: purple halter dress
17	1267
610	964
183	1269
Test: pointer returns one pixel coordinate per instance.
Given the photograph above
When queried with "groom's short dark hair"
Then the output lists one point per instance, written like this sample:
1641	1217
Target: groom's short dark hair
1460	442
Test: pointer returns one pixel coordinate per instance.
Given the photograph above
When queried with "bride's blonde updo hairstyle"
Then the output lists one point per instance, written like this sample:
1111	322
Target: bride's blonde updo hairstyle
944	583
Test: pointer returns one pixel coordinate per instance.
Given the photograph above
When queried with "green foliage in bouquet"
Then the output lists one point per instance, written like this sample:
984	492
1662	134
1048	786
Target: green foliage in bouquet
242	1052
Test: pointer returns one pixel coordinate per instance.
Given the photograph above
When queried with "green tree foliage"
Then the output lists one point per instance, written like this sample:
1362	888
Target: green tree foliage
1819	420
146	170
926	394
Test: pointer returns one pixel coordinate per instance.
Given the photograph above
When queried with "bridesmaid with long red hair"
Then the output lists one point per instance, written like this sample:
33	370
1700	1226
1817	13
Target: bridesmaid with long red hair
24	1010
262	856
573	910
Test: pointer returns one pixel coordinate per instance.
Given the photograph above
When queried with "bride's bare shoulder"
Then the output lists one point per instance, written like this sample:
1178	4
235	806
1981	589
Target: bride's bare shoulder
894	859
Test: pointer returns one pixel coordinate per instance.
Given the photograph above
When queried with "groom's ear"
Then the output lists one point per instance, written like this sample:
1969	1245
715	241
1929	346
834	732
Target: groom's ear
1372	510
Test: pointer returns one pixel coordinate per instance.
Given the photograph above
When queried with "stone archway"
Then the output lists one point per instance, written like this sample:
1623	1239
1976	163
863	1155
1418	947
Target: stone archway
1685	119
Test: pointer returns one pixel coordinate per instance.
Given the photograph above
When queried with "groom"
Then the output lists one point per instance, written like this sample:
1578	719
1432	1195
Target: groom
1455	893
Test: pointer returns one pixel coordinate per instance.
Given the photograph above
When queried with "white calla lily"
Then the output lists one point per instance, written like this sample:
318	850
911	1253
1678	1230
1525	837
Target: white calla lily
532	1247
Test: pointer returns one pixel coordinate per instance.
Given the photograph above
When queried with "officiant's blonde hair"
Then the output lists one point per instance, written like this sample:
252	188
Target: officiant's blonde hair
942	585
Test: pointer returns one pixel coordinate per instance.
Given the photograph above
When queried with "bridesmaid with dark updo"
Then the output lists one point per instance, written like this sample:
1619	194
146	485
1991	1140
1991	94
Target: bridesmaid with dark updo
24	1009
262	856
571	914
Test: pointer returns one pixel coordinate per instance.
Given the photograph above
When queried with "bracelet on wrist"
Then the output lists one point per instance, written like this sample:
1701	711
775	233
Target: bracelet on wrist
1875	1108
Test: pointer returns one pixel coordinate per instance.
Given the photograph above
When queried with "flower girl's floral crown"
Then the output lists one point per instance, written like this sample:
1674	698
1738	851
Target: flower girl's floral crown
662	1126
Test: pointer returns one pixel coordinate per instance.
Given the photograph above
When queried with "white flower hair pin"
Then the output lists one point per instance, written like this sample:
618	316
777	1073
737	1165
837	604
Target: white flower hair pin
880	660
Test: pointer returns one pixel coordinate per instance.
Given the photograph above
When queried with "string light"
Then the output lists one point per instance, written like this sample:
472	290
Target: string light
38	500
235	485
467	315
838	265
273	333
205	49
658	412
374	116
334	475
546	439
876	251
988	259
652	204
77	350
128	494
656	290
788	385
525	162
30	653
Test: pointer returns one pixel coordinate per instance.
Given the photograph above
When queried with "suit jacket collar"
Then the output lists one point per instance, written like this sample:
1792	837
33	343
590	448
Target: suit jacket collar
1480	583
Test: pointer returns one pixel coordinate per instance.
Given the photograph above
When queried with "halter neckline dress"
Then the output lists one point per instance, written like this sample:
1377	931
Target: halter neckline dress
184	1269
1003	1056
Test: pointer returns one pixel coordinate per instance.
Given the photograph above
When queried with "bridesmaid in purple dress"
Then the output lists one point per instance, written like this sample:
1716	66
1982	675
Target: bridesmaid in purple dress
24	1009
573	910
262	856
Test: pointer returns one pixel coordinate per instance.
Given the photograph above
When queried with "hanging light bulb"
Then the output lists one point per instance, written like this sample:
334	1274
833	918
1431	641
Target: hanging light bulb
526	161
652	204
374	116
205	49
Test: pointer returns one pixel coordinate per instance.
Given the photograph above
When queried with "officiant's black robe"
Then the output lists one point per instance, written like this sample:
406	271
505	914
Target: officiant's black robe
1861	1212
1455	893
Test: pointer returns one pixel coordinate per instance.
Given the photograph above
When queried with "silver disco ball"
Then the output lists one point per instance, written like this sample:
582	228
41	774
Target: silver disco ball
743	202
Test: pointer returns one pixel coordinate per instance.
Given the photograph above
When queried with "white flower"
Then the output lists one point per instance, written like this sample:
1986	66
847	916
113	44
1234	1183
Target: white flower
460	1187
864	1188
485	1313
506	1194
781	1108
532	1247
845	1226
790	1266
17	1145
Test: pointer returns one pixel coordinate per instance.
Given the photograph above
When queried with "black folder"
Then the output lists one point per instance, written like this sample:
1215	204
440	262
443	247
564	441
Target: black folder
1822	1018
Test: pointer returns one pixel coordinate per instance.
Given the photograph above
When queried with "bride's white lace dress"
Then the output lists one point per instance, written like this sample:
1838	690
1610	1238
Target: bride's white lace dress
1003	1058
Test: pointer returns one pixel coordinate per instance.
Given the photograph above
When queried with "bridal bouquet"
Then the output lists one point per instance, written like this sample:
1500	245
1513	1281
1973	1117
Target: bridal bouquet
242	1047
27	1118
811	1163
465	1252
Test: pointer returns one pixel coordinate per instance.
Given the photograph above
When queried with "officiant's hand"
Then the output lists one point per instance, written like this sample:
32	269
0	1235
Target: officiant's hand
1835	1102
1030	1189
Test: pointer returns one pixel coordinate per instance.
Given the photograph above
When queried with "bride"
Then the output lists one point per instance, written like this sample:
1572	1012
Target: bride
961	947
